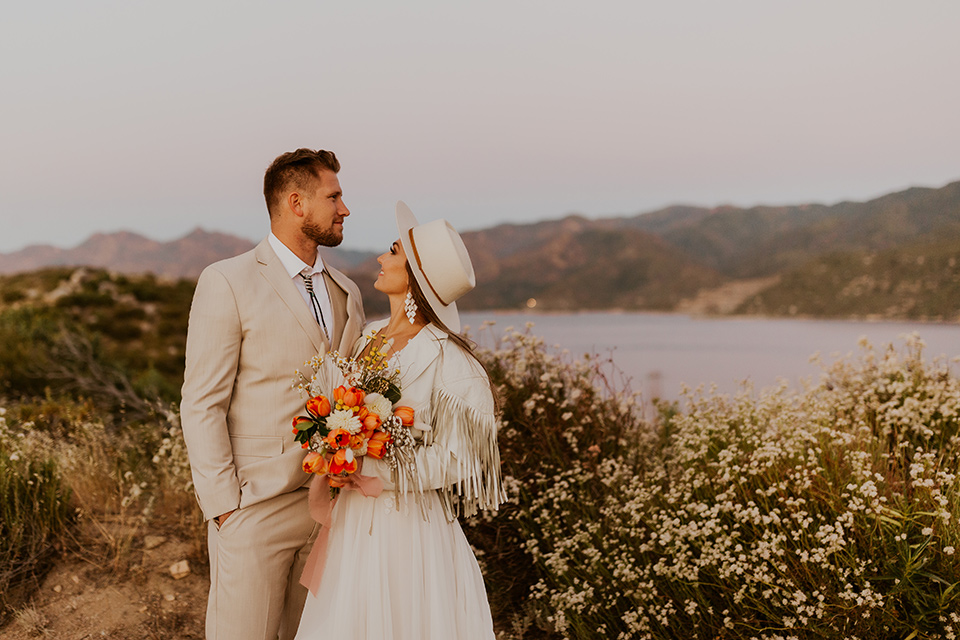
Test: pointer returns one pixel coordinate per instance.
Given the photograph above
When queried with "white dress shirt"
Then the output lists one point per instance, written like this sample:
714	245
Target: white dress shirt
295	266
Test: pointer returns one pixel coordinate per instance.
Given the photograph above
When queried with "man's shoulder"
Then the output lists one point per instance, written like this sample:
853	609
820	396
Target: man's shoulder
237	265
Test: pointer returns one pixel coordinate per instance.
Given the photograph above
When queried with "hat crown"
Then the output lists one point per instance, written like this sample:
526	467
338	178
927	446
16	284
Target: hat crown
440	263
443	259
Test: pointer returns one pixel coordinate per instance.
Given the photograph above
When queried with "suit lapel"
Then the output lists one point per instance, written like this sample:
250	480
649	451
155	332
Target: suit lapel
272	270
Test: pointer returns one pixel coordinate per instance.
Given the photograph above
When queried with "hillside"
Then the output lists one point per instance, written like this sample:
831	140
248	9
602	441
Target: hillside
568	265
761	241
802	259
131	253
918	281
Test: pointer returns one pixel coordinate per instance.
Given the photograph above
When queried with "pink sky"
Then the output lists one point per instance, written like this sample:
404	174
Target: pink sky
161	118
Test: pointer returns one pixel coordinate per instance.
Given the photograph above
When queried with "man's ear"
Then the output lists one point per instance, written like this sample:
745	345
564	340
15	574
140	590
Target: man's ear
295	203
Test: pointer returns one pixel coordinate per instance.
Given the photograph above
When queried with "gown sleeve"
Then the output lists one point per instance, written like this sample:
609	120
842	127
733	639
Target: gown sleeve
457	455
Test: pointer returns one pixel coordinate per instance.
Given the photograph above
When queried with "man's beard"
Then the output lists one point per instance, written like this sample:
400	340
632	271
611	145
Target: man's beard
324	237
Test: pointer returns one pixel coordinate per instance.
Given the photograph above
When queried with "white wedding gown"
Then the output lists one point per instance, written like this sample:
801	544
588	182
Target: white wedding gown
391	574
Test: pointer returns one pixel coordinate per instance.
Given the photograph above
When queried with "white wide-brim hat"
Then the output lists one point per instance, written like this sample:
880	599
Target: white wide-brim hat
439	261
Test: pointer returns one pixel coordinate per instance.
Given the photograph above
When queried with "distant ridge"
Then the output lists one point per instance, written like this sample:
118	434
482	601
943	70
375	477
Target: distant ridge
897	256
128	252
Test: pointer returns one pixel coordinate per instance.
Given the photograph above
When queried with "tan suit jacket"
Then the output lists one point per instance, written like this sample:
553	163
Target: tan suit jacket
249	331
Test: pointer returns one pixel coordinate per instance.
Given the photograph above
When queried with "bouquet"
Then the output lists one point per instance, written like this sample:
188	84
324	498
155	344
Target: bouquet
357	419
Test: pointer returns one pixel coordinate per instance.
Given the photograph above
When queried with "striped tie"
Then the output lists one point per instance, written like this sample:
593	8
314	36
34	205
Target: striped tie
315	304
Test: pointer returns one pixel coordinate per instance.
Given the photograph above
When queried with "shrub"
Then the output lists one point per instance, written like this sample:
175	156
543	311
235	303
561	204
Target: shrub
556	413
70	462
35	512
825	513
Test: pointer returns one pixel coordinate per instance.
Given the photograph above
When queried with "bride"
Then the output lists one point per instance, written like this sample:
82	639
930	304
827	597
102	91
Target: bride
399	567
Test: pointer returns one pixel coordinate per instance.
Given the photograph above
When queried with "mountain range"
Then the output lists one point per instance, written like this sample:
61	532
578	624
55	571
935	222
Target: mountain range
894	257
128	252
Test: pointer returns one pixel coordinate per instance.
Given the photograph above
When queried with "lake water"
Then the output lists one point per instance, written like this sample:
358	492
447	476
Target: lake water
660	352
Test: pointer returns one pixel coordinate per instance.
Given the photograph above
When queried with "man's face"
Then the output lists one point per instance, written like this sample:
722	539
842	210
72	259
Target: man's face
324	211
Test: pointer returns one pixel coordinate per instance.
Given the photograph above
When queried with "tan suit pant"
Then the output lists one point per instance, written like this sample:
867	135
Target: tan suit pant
256	559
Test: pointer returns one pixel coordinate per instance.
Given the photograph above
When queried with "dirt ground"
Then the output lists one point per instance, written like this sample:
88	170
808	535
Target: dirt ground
80	600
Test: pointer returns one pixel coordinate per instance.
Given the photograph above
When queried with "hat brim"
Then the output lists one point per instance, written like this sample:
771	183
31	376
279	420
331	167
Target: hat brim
447	313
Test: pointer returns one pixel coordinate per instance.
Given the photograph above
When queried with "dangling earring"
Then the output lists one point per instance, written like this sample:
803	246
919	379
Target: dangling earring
411	307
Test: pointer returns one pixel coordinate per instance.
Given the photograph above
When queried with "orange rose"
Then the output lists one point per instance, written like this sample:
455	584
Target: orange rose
338	438
301	423
314	463
318	406
342	462
405	414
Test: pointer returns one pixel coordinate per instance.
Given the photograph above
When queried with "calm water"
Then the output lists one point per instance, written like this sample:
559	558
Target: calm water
659	352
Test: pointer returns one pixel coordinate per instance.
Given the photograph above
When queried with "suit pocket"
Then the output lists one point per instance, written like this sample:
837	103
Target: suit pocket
256	446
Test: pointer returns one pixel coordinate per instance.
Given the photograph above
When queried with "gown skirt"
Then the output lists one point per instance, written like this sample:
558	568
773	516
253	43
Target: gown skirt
391	574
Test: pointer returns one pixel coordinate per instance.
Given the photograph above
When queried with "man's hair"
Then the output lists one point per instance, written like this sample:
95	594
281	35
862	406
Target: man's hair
295	170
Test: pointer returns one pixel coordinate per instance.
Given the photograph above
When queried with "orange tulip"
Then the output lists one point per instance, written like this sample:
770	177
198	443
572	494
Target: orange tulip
356	440
405	414
381	436
351	398
342	462
377	444
318	406
314	463
369	420
338	438
376	449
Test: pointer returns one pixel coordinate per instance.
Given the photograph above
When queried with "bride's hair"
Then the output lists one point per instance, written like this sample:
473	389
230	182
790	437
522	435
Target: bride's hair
426	312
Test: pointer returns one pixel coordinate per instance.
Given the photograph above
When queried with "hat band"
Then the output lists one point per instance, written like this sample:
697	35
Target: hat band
416	255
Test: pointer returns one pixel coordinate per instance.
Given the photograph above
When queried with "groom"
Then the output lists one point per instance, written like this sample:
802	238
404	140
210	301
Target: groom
255	319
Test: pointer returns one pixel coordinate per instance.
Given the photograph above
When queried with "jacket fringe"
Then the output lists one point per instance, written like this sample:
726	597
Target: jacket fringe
479	485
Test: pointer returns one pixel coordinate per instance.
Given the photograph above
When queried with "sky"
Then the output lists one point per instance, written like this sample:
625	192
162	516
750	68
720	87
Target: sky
160	117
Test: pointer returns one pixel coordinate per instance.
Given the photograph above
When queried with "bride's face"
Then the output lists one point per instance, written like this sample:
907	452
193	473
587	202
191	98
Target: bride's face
393	276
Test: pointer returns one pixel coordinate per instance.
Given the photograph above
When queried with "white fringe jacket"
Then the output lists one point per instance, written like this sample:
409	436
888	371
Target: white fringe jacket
454	424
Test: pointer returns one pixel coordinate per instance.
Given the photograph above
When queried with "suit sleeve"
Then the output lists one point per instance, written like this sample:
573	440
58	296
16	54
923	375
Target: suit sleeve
214	337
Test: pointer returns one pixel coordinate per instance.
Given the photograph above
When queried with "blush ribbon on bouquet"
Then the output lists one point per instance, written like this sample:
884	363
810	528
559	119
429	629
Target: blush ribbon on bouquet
321	509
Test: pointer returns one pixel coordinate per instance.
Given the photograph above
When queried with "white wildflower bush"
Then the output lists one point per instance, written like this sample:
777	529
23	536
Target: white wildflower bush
556	413
825	513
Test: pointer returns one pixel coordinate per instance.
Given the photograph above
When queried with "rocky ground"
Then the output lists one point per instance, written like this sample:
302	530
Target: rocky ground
161	594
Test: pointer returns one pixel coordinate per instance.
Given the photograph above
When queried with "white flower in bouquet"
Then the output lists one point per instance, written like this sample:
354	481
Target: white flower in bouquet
344	419
376	403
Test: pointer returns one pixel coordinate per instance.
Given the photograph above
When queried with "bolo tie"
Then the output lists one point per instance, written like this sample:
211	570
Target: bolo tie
315	304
